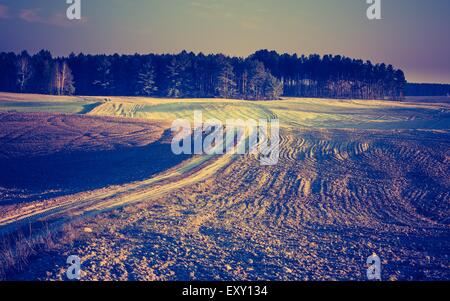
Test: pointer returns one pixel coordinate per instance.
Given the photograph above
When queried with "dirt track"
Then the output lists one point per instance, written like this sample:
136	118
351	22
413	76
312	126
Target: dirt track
64	133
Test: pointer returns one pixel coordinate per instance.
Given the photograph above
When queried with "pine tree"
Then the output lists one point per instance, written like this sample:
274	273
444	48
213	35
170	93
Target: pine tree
179	77
273	88
146	84
257	79
42	72
226	80
174	82
105	78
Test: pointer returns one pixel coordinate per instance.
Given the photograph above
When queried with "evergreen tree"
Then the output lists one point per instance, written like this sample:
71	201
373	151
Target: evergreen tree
8	74
273	88
226	80
146	84
104	80
257	80
179	79
42	72
174	80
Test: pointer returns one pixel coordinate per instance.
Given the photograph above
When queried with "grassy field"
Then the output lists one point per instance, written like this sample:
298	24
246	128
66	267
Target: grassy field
354	177
297	113
27	103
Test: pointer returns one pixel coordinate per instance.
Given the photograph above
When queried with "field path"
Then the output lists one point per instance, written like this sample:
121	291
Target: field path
87	203
93	202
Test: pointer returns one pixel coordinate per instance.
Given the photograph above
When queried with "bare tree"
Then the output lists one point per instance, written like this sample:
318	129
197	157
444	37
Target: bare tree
24	71
62	79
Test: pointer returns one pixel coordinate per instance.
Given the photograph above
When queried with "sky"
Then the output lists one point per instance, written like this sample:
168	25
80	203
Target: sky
412	35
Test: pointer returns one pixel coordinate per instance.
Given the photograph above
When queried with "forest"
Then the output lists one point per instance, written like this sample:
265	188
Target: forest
427	90
264	75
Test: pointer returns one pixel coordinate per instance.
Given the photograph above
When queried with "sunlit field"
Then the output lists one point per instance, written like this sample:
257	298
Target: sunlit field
293	113
95	176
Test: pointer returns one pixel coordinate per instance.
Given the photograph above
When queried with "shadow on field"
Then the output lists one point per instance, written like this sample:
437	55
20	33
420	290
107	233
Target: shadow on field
39	177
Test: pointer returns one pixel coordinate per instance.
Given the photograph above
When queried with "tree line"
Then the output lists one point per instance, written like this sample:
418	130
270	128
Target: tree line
261	76
427	90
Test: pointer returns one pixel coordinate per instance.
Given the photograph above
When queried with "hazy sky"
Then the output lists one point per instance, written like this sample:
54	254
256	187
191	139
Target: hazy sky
413	34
